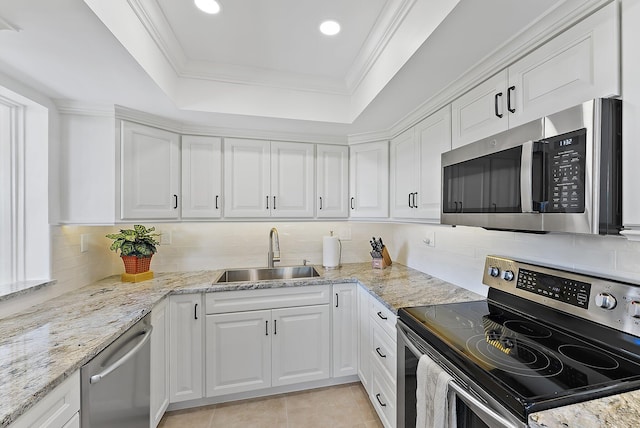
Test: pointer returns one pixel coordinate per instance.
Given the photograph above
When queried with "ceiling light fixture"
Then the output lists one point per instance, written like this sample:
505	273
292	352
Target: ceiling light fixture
330	28
208	6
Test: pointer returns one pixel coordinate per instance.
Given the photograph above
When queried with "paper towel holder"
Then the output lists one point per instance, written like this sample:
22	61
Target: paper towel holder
324	263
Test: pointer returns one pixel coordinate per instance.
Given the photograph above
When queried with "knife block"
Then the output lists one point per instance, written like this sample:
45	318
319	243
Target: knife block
383	262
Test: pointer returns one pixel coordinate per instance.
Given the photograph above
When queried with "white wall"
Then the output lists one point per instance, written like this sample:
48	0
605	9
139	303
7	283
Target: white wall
459	252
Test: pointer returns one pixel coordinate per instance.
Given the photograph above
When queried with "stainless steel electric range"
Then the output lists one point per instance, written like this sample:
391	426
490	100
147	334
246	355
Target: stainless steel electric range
543	338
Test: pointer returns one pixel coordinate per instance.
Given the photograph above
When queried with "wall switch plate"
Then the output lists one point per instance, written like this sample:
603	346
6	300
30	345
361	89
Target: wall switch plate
165	237
430	239
84	242
345	234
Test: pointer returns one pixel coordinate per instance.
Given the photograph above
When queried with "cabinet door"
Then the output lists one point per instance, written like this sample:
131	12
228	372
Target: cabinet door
201	177
300	344
345	330
186	376
580	64
238	352
481	112
364	338
369	179
159	399
292	179
403	171
433	137
150	181
246	178
332	192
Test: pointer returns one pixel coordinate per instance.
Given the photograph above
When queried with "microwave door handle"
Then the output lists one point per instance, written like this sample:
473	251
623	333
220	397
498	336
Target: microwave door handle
526	173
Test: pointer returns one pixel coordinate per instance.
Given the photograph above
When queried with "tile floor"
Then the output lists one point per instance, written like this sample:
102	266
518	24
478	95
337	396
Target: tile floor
343	406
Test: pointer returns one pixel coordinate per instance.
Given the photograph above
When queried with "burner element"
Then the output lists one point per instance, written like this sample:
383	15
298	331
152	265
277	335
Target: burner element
590	357
513	355
528	329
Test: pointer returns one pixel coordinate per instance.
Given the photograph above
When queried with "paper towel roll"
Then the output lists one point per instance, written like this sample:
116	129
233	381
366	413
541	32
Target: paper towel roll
330	251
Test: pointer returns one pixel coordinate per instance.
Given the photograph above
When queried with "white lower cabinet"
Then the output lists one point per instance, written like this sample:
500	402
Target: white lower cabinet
364	338
185	344
159	396
284	338
58	409
382	353
345	329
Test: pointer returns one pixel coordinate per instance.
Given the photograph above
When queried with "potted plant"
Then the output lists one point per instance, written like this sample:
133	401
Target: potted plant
136	246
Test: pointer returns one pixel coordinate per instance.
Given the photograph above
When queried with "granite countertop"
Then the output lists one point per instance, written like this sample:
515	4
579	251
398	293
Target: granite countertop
45	344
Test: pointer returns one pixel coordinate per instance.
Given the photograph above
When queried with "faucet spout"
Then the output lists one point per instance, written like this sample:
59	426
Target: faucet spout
274	253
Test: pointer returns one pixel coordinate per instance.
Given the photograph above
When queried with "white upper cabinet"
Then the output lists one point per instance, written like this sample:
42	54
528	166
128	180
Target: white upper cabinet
201	177
369	180
263	178
415	167
332	181
580	64
292	179
150	173
247	173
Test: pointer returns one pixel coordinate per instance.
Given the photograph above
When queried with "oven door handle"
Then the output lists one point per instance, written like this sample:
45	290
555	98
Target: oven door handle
478	407
526	174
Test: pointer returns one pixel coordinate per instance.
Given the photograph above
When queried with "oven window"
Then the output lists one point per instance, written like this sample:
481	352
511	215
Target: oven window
489	184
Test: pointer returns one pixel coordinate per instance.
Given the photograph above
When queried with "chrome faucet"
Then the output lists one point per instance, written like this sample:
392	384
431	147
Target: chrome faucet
273	255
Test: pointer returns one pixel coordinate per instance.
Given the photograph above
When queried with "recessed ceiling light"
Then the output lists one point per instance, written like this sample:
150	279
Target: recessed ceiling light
330	28
208	6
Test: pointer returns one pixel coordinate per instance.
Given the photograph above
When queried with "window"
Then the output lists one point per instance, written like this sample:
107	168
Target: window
24	225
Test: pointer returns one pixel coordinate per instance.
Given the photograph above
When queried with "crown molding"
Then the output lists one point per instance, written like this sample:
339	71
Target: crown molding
554	22
185	128
77	108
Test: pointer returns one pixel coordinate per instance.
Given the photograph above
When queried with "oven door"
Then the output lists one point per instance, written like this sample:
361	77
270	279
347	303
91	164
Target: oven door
474	407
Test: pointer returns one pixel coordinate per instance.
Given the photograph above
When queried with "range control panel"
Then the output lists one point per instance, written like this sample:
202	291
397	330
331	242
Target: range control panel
573	292
615	303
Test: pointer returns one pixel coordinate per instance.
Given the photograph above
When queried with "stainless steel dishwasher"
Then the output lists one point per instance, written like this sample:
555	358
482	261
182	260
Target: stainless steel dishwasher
115	383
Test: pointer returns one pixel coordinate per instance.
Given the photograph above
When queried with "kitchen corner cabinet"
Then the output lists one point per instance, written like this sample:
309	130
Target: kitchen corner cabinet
369	180
201	177
265	338
150	173
159	398
579	64
345	329
185	346
415	167
332	181
60	408
268	179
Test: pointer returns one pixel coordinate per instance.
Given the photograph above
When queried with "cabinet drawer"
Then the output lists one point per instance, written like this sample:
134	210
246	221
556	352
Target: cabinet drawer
383	350
383	317
270	298
56	409
383	397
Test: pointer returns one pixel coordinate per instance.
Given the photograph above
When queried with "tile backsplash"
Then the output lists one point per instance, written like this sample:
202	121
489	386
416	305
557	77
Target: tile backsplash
457	257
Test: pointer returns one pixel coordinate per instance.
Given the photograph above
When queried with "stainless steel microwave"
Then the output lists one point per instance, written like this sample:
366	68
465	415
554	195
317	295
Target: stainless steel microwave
561	173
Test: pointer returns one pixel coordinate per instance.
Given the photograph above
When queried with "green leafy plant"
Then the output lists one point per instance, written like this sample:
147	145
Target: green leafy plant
139	241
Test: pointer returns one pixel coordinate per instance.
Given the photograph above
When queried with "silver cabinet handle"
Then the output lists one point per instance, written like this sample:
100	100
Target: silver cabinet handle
126	357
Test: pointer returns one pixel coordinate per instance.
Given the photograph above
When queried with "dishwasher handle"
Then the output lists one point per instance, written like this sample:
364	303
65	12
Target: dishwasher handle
126	357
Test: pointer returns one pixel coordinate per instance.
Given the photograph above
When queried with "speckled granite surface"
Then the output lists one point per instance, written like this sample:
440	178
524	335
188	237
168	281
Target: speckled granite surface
44	345
617	411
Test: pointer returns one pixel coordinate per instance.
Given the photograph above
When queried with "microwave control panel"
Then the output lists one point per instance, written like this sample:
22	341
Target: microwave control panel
573	292
565	159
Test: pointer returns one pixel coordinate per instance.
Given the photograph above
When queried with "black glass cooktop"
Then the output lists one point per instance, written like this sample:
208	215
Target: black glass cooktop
526	364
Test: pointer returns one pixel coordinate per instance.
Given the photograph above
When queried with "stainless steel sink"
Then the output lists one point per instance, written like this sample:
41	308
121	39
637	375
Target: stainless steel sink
266	274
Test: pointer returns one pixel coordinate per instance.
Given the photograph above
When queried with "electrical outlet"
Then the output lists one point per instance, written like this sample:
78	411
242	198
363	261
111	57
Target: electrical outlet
345	234
430	239
84	242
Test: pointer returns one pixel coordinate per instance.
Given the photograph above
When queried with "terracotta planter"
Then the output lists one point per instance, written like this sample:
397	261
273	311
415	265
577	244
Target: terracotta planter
133	264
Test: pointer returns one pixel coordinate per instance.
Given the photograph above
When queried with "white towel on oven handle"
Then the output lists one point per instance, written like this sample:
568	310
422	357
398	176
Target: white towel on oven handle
435	403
